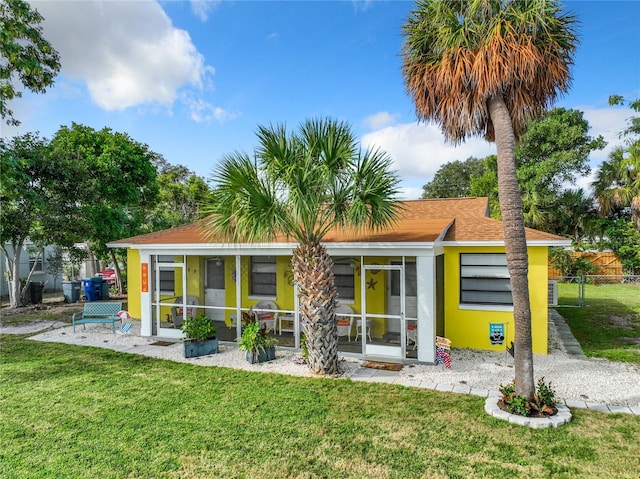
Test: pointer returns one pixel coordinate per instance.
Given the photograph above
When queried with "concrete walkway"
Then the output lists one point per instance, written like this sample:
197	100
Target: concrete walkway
569	341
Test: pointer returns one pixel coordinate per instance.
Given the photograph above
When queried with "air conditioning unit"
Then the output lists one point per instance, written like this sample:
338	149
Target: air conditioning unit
553	293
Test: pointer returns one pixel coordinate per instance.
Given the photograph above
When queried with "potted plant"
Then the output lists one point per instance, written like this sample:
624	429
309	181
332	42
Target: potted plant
200	336
255	340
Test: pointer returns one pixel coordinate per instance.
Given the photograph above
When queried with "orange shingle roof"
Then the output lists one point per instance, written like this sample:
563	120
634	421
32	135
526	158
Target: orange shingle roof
421	221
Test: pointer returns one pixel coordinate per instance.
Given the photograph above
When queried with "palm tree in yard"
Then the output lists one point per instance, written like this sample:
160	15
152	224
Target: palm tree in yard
617	183
303	184
485	67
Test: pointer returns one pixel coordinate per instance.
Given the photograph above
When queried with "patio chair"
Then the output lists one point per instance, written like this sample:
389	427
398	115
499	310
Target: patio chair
266	314
344	318
359	328
176	311
412	335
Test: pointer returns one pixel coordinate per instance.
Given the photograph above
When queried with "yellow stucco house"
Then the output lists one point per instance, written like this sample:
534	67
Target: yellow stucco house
441	270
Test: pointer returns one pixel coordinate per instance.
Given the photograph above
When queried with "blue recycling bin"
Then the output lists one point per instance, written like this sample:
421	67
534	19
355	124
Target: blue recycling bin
92	288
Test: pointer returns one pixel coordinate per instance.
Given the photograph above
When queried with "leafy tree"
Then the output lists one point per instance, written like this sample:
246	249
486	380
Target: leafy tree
55	263
623	239
634	122
302	184
617	183
115	181
453	179
554	151
181	194
37	197
572	214
570	265
25	54
486	67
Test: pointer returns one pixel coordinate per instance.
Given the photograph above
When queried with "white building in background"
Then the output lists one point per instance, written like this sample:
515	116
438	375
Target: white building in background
31	256
39	256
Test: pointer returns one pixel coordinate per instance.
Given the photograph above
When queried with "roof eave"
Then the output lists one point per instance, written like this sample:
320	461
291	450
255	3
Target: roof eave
546	242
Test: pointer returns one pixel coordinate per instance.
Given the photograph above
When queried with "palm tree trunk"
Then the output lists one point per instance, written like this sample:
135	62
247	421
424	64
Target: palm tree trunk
515	243
313	273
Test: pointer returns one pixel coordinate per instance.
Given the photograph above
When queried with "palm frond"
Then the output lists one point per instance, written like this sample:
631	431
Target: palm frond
302	184
244	205
456	55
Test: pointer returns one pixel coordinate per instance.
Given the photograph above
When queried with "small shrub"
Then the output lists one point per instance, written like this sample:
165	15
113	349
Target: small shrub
256	338
570	264
543	403
198	328
544	400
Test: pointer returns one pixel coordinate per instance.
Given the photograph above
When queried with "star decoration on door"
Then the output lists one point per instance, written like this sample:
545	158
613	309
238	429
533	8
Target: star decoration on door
371	284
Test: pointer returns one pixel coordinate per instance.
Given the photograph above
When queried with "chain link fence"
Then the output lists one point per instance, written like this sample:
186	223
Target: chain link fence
573	291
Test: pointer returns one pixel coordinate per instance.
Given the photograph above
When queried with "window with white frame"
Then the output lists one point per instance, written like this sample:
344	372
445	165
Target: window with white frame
263	276
343	280
484	279
167	275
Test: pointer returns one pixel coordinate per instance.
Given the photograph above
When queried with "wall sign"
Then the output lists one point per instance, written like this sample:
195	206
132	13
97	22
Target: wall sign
496	333
144	279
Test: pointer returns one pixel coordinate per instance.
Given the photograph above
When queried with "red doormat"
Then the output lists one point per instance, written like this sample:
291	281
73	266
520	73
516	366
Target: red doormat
383	366
162	343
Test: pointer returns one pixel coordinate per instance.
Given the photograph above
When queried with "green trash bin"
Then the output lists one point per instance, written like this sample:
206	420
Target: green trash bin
71	291
104	290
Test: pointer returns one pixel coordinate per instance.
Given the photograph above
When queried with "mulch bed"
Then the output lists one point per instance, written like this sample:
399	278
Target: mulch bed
162	343
554	410
383	366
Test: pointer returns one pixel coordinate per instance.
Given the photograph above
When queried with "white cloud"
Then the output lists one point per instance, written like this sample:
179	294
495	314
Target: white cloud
202	8
202	111
419	149
379	120
410	192
360	5
127	53
608	122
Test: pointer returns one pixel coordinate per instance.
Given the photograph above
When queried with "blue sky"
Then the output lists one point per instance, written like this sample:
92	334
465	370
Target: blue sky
193	80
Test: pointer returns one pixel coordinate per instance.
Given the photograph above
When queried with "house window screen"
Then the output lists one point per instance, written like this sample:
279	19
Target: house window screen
410	283
167	276
344	282
484	279
215	274
263	276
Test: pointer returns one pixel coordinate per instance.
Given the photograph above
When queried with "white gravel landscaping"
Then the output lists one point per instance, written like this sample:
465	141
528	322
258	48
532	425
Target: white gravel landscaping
591	380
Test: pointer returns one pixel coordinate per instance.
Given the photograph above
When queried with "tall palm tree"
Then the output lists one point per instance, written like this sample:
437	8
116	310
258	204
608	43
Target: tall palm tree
485	67
303	184
617	182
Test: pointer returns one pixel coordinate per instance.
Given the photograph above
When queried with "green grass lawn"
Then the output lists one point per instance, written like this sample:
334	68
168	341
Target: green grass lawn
608	326
79	412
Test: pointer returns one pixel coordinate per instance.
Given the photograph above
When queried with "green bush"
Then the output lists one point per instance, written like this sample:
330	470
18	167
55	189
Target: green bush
255	338
198	328
570	264
544	400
